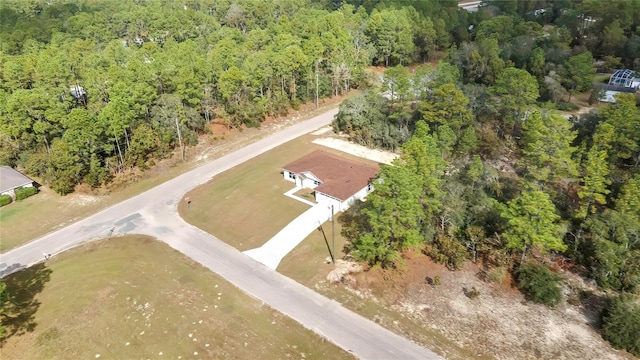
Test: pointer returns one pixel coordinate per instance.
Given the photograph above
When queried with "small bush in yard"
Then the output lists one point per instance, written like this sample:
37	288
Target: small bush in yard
5	200
621	323
25	192
540	284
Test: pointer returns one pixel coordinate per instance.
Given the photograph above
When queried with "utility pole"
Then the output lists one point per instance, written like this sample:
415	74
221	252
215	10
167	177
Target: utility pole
333	236
316	87
180	138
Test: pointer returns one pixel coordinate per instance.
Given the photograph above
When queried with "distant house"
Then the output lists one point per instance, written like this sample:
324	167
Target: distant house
622	81
11	179
336	180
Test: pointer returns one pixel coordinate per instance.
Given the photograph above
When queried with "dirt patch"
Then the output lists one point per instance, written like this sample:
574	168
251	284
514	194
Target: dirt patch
83	199
343	270
219	127
491	319
380	156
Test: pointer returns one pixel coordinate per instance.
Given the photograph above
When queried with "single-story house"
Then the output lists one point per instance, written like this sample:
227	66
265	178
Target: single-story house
11	179
335	180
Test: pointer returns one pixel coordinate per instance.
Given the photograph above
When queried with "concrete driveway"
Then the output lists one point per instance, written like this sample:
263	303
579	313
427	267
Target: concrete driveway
274	250
154	213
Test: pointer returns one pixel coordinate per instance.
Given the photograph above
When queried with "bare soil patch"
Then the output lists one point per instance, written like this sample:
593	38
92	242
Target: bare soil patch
334	142
497	321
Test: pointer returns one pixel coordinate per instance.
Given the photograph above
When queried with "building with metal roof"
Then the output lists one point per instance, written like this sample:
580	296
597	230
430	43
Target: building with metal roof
627	78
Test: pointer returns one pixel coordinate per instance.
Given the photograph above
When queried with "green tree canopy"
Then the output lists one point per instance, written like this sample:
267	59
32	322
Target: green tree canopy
515	90
548	154
579	72
532	222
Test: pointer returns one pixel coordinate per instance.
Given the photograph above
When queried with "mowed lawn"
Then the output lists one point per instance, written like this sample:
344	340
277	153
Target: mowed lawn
245	206
25	220
135	298
307	263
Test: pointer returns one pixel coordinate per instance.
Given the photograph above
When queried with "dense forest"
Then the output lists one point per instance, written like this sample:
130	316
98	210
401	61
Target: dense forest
90	89
490	170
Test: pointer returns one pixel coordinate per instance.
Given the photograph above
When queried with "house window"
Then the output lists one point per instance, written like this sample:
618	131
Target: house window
292	175
370	187
316	182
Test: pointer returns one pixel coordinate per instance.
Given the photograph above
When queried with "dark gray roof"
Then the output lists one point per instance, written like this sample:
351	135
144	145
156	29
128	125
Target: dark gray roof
11	179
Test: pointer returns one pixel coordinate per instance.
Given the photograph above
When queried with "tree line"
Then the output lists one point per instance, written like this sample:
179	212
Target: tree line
91	89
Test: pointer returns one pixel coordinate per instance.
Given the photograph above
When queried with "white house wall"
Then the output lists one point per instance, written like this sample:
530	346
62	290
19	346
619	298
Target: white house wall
342	205
324	199
301	180
12	192
361	194
287	176
308	183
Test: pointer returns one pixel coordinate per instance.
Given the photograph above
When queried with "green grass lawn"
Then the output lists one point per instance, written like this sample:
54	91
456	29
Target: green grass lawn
307	264
245	207
601	78
136	298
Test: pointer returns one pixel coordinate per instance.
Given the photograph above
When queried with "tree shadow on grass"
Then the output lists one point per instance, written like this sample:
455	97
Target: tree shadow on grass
19	304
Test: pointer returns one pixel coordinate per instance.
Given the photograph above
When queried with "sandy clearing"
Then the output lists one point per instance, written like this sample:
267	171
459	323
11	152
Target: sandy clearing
383	157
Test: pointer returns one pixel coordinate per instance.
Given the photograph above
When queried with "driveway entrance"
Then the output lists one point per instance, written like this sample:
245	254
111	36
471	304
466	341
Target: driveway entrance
274	250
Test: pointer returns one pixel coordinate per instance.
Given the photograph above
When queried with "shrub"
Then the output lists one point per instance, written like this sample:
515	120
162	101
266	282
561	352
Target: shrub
5	200
447	250
25	192
496	275
621	323
565	106
539	284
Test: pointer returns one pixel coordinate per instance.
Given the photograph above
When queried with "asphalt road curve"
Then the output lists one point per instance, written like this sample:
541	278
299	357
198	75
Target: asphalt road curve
154	213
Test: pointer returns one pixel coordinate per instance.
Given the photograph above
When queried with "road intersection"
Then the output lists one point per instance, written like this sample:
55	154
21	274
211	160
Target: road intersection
154	213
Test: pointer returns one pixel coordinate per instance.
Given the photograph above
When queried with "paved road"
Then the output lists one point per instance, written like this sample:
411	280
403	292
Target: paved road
154	213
